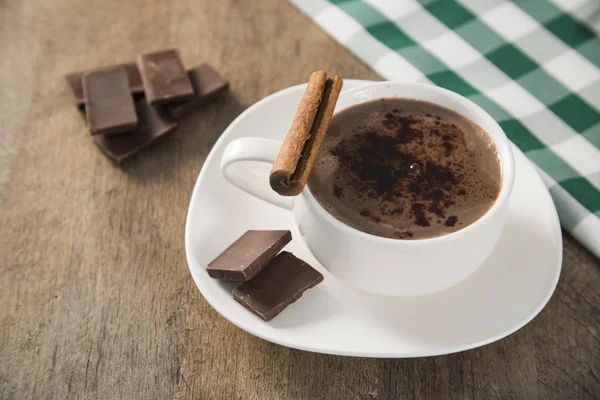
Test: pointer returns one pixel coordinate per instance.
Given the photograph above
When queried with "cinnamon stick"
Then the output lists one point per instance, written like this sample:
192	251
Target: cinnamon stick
297	155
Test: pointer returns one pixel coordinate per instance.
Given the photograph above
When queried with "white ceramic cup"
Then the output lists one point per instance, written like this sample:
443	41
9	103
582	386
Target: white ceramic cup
375	264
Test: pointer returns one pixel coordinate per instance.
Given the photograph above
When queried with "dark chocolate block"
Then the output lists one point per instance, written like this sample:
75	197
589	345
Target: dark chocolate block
207	84
164	77
248	255
135	82
109	105
154	122
279	284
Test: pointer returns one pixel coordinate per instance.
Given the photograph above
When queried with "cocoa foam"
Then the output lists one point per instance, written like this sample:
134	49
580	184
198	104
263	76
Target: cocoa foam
405	169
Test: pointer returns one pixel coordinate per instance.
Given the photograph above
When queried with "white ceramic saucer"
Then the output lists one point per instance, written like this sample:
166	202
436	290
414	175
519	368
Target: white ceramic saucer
509	290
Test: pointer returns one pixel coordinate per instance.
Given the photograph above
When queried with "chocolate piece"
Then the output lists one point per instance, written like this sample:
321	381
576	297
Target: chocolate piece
154	123
164	77
207	84
74	82
248	255
108	103
280	283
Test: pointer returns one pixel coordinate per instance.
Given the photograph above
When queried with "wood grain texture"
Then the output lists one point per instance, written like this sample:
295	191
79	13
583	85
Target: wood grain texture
96	301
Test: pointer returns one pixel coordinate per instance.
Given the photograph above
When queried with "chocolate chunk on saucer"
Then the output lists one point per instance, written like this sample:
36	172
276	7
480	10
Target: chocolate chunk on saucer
279	284
248	255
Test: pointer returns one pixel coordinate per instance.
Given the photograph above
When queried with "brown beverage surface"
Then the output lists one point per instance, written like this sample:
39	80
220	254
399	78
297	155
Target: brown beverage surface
405	169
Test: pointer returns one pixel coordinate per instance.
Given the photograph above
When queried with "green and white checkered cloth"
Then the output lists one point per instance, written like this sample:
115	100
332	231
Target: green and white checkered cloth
534	65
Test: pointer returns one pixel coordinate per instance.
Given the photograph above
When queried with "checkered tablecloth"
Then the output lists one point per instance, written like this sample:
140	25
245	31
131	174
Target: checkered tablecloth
534	65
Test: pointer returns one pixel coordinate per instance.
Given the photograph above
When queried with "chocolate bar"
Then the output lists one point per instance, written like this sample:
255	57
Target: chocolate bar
154	123
279	284
135	82
248	255
164	77
207	84
108	102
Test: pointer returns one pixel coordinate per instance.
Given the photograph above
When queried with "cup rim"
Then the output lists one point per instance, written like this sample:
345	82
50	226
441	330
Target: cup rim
503	148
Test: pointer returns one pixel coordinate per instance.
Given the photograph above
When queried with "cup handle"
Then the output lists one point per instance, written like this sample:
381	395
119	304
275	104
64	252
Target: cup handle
238	152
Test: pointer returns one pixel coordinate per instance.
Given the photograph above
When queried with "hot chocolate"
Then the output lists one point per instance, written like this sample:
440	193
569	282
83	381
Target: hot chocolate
405	169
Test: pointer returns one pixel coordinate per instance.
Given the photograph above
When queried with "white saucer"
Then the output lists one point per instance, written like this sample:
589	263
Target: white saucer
508	291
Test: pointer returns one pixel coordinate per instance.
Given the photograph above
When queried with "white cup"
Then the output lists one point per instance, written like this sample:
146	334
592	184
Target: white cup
375	264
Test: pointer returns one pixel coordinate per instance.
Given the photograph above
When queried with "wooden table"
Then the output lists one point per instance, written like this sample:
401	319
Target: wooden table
96	300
